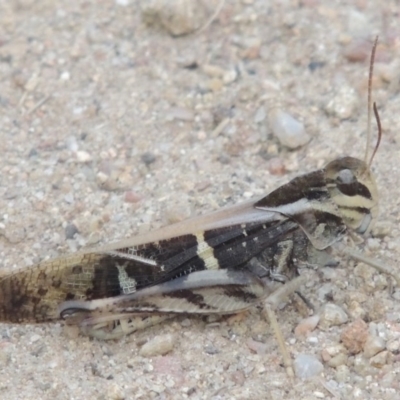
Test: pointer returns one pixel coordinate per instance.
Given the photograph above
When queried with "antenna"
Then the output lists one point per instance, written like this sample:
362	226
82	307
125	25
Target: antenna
378	142
371	72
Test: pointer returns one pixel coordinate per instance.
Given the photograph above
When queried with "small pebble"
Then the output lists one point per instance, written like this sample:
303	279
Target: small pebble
360	365
213	71
177	17
367	273
69	198
215	85
354	336
181	114
131	197
393	346
343	103
230	76
83	156
276	166
306	366
148	158
342	373
159	345
289	131
335	349
373	345
338	360
5	354
355	310
379	360
72	144
382	229
374	244
65	76
238	378
358	393
260	115
332	315
70	231
358	50
186	322
210	349
177	212
115	392
388	73
257	347
326	290
71	331
307	325
325	355
15	234
35	338
312	340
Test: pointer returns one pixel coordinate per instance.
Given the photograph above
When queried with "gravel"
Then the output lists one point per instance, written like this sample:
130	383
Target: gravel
112	126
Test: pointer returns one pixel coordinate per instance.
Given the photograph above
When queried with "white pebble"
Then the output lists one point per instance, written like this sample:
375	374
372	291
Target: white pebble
230	76
289	131
307	366
312	340
83	156
35	338
65	76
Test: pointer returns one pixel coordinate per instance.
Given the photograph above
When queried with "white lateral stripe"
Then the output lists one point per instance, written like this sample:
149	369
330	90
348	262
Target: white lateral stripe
297	207
206	252
129	256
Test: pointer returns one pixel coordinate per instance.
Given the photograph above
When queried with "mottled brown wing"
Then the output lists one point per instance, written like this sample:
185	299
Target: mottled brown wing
34	294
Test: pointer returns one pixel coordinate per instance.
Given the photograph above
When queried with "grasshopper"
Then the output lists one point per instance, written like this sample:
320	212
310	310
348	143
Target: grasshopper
220	263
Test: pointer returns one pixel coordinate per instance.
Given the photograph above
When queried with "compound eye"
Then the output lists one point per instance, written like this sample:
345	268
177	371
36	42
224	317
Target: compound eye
345	177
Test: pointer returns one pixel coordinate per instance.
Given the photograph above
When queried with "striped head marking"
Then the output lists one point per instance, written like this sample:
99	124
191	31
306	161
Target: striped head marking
352	187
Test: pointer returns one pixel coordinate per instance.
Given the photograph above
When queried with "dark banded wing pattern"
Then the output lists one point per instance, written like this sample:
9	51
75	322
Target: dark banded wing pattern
204	292
35	296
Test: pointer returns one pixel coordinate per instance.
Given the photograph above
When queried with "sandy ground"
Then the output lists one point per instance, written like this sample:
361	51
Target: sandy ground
111	127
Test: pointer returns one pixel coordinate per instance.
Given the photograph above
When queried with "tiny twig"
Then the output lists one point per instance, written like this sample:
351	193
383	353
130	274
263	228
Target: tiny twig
212	18
38	104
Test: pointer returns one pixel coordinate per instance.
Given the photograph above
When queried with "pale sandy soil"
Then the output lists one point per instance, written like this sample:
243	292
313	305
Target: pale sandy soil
109	124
